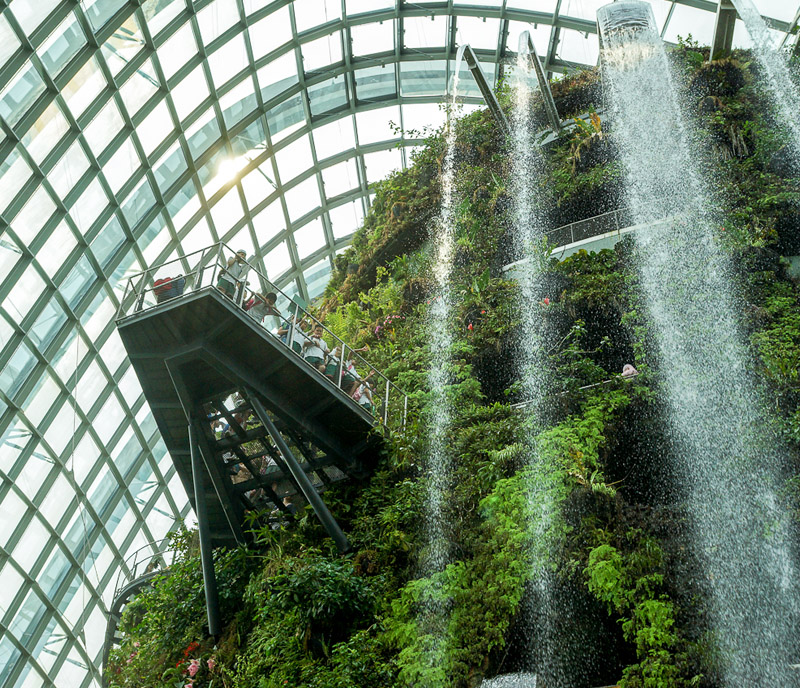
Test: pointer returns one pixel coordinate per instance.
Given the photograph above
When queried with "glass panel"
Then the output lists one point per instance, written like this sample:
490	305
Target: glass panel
424	32
142	86
84	87
328	96
294	159
14	172
202	133
16	371
334	138
169	167
189	93
269	222
227	211
47	325
377	125
270	33
373	38
375	83
228	60
322	51
239	102
277	261
309	238
89	206
64	175
215	19
277	76
100	11
258	184
340	178
121	165
159	13
31	14
57	248
20	93
302	199
177	50
78	282
346	219
123	45
108	242
9	43
357	6
155	128
382	163
311	13
103	128
62	45
140	200
426	78
34	215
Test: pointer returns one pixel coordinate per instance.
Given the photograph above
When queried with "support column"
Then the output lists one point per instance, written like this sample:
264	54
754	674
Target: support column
486	90
206	553
544	85
300	478
723	29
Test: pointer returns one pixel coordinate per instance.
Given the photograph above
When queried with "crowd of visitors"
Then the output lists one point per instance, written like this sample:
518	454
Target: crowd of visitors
299	333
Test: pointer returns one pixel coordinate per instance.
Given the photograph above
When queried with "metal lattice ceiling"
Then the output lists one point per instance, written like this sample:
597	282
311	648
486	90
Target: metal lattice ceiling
136	131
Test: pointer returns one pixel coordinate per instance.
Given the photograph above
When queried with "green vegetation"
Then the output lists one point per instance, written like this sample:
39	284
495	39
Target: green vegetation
298	614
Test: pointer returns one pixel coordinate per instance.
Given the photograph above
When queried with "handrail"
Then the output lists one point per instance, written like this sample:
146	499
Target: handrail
156	550
209	269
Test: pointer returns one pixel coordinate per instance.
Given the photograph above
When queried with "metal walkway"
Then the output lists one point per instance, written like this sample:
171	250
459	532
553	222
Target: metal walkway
247	421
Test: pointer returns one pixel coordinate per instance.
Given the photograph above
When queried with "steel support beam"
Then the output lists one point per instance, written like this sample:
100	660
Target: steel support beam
485	89
544	85
300	478
724	27
206	551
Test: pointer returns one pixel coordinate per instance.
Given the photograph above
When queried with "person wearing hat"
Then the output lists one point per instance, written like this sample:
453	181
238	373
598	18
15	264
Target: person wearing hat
230	277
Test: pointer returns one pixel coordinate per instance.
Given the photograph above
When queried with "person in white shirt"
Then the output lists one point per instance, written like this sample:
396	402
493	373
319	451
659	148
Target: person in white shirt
231	277
315	349
298	338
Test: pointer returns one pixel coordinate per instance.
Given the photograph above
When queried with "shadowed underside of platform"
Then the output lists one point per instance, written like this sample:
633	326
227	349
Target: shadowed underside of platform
193	352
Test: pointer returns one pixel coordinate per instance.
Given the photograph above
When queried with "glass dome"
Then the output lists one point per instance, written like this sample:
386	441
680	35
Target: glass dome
132	132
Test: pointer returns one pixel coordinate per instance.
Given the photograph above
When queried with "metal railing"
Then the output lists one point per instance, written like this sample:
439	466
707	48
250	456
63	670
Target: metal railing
612	221
149	558
218	268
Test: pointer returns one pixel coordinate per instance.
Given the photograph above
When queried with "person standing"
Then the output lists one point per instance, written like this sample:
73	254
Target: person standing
231	277
315	349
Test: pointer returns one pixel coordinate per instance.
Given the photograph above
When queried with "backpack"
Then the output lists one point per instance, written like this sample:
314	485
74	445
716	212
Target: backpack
168	288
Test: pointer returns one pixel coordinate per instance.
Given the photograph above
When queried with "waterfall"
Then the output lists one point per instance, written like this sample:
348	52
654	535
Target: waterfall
433	619
728	464
546	654
784	93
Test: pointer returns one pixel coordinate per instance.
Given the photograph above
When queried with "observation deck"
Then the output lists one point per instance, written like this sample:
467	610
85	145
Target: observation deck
248	421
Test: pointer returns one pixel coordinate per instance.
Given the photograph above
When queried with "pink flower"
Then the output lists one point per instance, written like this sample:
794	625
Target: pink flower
136	644
194	667
211	664
546	301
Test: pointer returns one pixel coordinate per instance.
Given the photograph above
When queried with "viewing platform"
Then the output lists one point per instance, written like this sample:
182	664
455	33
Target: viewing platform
248	421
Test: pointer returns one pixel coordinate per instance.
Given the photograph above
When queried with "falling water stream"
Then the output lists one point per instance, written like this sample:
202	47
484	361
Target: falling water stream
785	95
728	465
433	621
546	611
